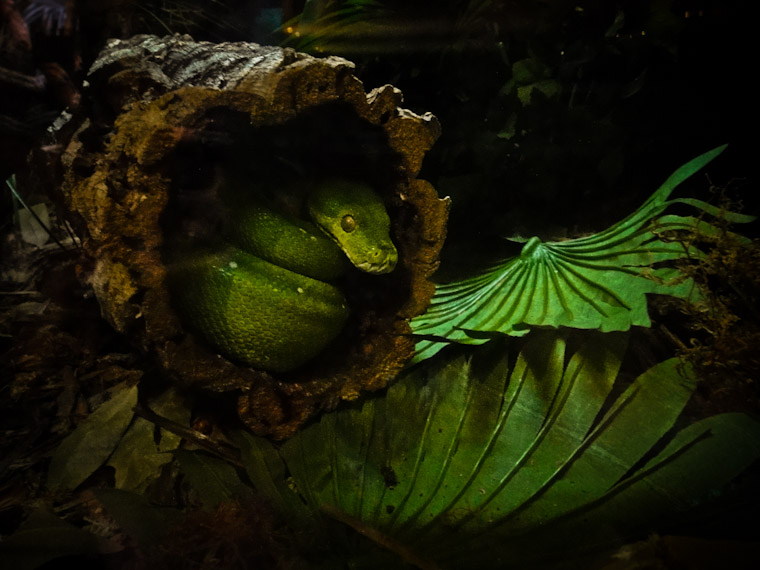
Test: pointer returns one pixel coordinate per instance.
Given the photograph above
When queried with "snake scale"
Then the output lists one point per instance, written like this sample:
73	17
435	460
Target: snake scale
267	297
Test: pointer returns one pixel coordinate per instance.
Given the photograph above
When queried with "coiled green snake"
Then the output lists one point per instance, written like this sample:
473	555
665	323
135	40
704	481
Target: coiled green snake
266	298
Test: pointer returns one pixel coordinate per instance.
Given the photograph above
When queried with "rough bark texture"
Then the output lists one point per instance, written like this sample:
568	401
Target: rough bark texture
152	97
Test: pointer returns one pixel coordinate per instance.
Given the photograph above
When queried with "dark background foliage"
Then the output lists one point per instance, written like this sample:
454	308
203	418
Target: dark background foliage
634	88
561	116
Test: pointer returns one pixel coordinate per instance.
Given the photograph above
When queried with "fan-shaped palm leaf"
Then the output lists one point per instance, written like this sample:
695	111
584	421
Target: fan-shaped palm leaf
596	282
481	452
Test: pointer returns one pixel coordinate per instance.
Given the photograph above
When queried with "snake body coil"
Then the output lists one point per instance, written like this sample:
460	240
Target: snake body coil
266	298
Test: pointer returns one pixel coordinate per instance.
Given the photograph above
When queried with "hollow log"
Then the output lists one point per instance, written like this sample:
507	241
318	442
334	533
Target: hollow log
161	114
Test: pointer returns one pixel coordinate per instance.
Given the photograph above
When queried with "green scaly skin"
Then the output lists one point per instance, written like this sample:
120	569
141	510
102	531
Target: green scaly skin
265	300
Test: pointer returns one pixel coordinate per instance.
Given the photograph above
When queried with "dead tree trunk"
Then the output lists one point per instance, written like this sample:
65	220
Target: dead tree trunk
161	113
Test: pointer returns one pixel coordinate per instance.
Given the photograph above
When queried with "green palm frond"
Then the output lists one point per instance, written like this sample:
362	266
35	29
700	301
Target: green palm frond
596	282
484	456
319	30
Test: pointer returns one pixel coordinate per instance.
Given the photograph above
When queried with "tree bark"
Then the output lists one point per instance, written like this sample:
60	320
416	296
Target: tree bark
154	106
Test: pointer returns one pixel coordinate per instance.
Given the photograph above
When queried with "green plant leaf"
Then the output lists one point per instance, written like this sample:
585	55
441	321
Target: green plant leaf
44	537
548	87
648	409
530	70
214	479
691	470
145	523
33	224
596	282
463	455
92	442
267	472
143	450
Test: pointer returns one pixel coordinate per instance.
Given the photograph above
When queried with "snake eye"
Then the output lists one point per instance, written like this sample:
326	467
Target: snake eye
348	223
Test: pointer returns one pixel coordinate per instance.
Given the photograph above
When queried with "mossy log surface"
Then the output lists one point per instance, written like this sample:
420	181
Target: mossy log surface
154	106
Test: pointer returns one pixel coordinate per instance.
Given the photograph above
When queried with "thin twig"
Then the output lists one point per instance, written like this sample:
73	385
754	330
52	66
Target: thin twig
673	338
218	448
30	293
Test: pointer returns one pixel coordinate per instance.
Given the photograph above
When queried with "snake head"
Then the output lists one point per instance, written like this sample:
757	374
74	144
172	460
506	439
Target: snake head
354	216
